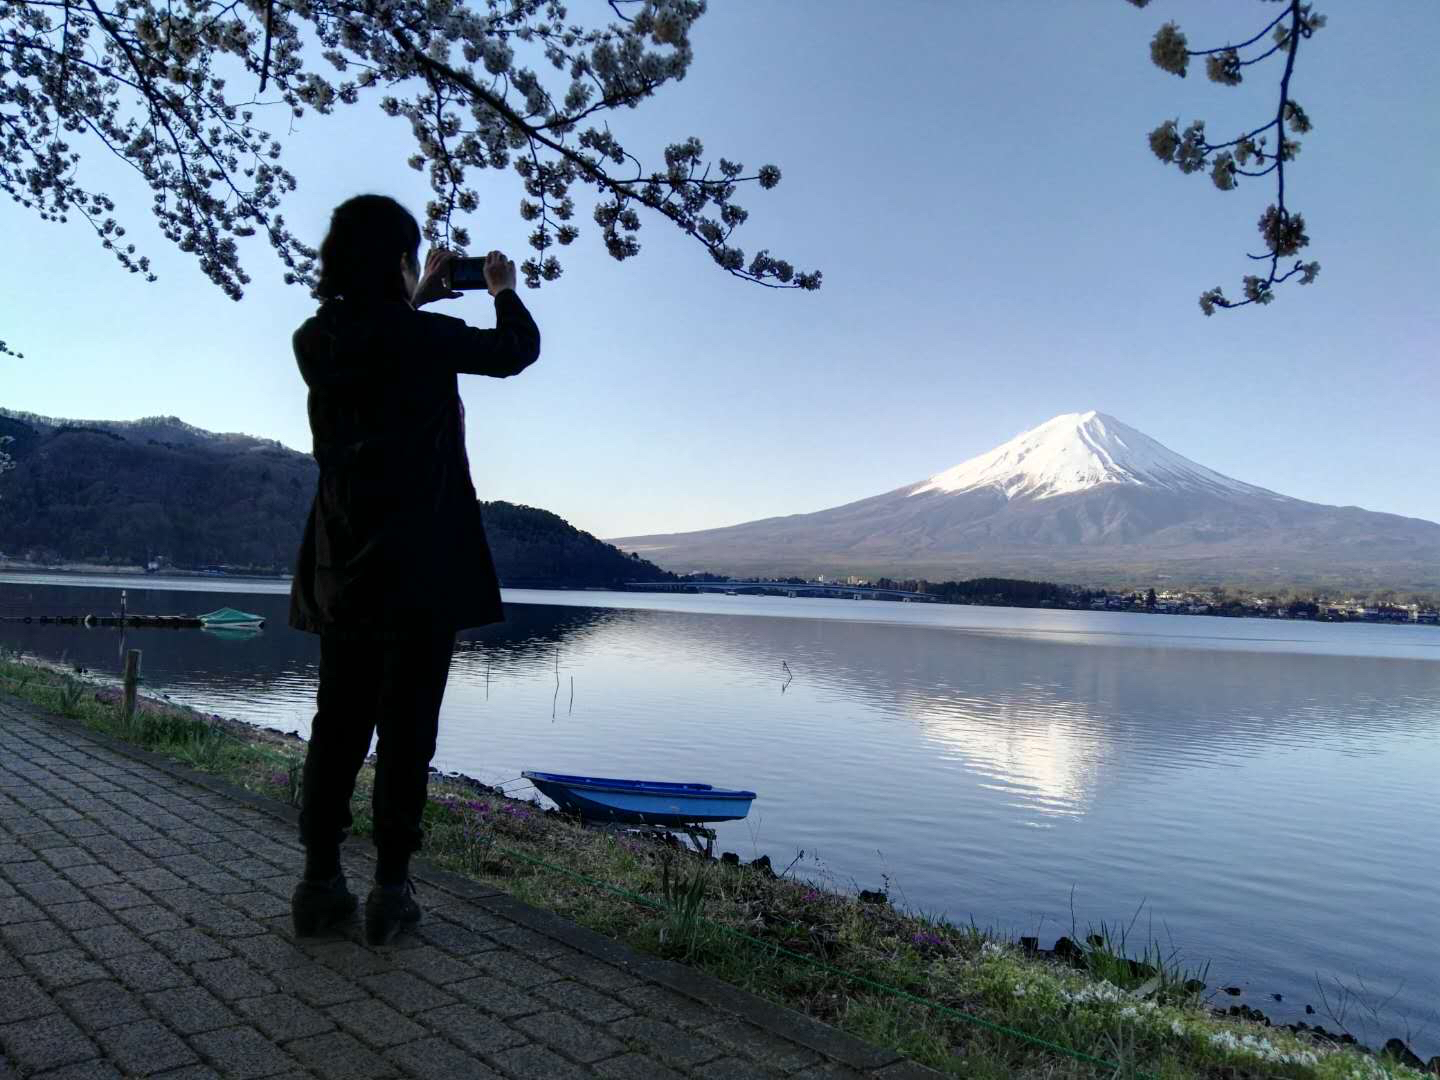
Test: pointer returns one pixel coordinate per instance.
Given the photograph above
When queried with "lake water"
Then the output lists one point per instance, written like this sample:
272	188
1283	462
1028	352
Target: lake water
1264	792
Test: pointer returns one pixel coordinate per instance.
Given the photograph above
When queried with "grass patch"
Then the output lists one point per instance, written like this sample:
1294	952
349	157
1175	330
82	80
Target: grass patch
956	998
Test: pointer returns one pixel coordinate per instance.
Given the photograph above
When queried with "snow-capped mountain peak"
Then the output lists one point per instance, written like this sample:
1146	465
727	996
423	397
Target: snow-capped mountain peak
1075	452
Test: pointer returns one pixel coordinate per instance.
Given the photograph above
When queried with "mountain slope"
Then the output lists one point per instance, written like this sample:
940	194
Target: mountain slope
123	491
1082	497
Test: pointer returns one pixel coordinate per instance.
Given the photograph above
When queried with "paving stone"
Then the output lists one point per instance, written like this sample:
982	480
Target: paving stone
352	959
158	847
495	996
432	965
537	1061
573	1038
98	1005
10	966
17	909
530	942
186	901
191	1009
118	897
729	1068
435	1059
243	1053
68	856
145	1048
317	985
79	828
59	813
374	1022
468	1027
146	971
45	1043
269	952
65	967
761	1045
452	937
203	1072
187	864
154	879
232	979
94	1069
595	972
217	881
189	946
80	915
21	998
514	968
634	1067
405	992
588	1004
668	1005
91	874
106	941
122	863
13	853
44	837
48	893
258	905
34	937
150	918
225	921
22	873
338	1056
283	1017
665	1041
830	1070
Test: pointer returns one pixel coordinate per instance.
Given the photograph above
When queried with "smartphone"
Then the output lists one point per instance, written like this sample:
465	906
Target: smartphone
468	274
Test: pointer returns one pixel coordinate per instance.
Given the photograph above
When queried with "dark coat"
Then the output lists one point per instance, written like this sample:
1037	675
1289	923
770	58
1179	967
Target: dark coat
394	541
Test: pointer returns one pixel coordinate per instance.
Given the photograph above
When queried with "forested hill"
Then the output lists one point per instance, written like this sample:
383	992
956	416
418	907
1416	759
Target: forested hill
536	547
124	492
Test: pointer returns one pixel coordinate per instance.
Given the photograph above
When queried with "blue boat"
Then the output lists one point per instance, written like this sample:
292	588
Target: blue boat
642	802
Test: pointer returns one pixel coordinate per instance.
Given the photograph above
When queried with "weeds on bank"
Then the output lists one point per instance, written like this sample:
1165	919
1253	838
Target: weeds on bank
806	947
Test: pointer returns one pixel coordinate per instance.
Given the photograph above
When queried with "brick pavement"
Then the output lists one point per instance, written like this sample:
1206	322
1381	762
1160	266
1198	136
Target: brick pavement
145	931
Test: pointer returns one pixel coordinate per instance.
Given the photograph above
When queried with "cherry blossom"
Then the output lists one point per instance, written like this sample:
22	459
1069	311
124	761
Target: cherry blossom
197	97
1282	230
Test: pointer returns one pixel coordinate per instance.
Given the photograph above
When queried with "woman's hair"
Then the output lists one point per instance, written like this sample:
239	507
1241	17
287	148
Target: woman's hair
358	257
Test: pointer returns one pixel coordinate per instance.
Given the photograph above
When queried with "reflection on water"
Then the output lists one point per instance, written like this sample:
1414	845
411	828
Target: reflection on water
1264	789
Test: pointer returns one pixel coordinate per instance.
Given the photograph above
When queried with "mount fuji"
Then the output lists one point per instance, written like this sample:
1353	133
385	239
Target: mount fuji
1085	498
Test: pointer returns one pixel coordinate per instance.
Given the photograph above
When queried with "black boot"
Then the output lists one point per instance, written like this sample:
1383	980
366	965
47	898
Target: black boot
388	910
316	906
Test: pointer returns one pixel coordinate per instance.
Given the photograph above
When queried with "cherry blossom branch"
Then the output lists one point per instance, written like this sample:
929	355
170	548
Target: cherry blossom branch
1282	230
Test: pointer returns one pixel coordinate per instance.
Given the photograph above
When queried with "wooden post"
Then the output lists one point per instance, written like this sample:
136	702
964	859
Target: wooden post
132	681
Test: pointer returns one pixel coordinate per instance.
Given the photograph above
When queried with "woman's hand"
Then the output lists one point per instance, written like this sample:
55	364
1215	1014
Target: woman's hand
499	273
434	283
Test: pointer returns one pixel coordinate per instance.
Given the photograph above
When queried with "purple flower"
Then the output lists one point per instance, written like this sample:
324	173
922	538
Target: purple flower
926	940
280	778
810	895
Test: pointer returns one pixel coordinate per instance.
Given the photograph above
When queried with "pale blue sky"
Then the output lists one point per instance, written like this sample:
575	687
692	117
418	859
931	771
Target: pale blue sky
998	245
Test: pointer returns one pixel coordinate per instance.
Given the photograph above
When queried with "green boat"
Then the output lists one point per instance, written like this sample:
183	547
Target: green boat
228	618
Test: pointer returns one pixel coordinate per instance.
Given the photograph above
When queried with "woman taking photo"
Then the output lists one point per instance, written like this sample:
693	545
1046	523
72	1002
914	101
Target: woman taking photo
394	560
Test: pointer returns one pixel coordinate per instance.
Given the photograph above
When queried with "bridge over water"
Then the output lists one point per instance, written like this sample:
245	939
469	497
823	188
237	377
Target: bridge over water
784	588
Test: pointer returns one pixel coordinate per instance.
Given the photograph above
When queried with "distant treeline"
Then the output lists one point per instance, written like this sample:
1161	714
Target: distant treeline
1008	591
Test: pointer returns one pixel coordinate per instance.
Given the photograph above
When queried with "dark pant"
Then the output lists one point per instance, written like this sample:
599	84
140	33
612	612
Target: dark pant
395	687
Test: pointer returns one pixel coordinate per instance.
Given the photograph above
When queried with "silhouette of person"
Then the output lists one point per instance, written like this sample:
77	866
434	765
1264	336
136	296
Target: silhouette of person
394	559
